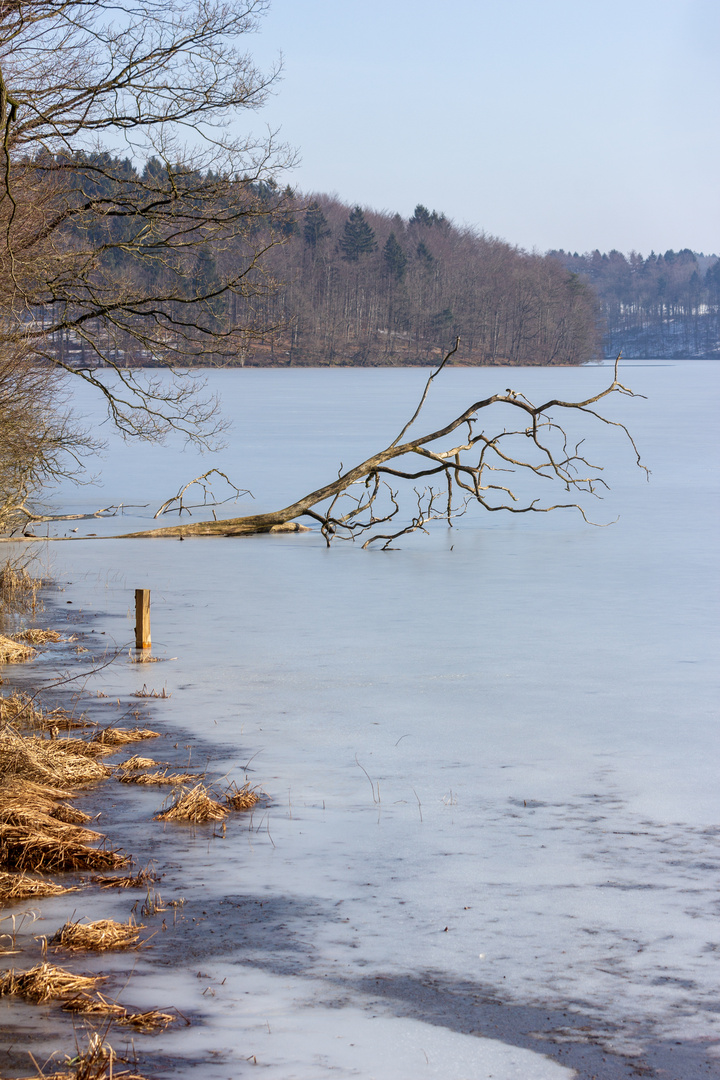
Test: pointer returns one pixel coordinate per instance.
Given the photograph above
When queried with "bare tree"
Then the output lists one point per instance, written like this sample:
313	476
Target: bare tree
103	262
446	476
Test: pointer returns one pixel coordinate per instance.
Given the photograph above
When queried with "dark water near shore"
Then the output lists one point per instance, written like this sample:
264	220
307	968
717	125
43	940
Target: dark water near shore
533	699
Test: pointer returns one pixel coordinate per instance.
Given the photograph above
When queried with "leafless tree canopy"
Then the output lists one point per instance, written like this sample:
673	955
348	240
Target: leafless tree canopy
157	254
446	475
111	259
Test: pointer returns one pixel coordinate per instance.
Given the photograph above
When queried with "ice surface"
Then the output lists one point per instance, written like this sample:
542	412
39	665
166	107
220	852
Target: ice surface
491	756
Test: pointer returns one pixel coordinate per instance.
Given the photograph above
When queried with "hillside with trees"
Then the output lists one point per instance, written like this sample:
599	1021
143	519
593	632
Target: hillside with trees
660	306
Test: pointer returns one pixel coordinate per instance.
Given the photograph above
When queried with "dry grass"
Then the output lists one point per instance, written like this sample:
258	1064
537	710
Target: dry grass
15	887
97	1062
12	652
38	637
18	589
144	877
193	805
45	982
28	848
23	817
99	936
54	762
134	764
70	814
241	798
20	710
159	778
145	692
111	736
100	1006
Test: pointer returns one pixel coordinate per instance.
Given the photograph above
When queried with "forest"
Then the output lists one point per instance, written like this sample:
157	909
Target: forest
660	306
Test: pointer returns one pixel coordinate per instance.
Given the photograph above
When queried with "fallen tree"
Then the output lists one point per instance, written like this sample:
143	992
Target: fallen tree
453	475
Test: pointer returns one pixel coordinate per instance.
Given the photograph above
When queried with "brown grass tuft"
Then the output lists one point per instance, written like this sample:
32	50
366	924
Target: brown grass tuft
18	589
98	1005
25	847
134	764
54	762
159	778
46	982
25	817
241	798
194	805
24	887
111	736
12	652
38	637
99	936
144	877
20	710
97	1062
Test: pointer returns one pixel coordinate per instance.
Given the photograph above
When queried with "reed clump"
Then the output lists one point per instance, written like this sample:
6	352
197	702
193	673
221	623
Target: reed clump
18	589
14	652
159	778
15	887
144	877
241	798
97	1062
112	736
46	982
21	711
99	1006
135	763
194	805
98	936
55	762
36	636
26	847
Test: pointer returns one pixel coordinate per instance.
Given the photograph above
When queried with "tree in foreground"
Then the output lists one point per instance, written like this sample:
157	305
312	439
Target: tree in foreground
420	478
154	259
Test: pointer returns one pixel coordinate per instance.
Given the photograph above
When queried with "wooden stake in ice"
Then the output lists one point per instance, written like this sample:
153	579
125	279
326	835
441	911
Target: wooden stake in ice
142	618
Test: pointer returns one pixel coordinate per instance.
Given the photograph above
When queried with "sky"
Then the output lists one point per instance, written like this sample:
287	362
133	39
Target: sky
574	124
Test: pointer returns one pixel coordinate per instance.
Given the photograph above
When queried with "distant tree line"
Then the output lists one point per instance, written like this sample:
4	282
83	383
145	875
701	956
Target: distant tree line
320	282
660	306
372	288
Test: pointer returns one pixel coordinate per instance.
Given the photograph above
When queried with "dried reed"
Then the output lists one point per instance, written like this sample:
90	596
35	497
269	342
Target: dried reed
38	637
18	589
45	982
55	762
15	887
111	736
133	764
159	778
97	1062
194	805
27	848
12	652
25	817
145	692
241	798
20	710
99	936
139	881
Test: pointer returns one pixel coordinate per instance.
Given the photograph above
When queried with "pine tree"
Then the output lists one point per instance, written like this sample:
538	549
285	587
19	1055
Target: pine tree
425	257
358	237
394	258
315	227
422	216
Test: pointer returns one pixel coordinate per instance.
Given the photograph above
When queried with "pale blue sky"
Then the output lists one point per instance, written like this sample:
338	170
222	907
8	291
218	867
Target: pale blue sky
550	123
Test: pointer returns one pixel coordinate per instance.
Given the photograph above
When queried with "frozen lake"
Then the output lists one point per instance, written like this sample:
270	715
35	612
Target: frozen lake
493	841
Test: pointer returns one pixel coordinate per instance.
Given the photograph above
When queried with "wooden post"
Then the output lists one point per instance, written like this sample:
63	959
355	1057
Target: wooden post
142	618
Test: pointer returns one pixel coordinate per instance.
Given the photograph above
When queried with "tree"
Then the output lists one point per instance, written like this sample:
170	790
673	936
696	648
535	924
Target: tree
394	258
103	264
466	472
110	260
358	237
315	227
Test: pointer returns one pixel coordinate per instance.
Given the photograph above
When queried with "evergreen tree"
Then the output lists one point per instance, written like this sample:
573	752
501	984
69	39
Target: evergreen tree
315	227
422	216
358	237
425	257
394	258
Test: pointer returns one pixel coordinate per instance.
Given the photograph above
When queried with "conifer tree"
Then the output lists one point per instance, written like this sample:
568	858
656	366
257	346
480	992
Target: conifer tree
425	257
315	227
394	258
358	237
